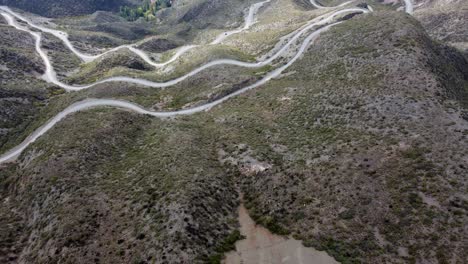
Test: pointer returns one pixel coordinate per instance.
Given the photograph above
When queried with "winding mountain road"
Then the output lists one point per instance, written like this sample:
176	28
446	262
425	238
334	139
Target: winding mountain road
249	20
93	103
409	8
325	21
51	76
319	6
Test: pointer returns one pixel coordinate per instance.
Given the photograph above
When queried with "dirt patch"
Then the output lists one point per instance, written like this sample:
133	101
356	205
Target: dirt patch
261	246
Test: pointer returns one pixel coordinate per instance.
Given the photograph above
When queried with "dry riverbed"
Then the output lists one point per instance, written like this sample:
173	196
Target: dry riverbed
261	246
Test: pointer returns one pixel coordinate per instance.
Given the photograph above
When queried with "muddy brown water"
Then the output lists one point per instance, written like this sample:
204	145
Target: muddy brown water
262	247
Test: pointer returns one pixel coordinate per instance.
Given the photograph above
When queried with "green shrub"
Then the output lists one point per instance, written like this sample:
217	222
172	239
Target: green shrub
228	244
147	10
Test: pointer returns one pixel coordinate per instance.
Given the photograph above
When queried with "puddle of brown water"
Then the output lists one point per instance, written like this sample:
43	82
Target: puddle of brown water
263	247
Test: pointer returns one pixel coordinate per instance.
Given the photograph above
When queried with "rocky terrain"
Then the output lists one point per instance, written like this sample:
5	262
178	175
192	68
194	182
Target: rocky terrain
358	149
445	20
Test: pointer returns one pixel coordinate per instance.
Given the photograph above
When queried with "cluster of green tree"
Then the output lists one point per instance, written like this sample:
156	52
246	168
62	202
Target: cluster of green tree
147	10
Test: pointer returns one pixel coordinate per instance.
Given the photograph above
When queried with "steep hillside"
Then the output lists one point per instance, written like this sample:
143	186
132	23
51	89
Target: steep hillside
371	151
202	13
54	8
445	20
182	23
359	150
21	93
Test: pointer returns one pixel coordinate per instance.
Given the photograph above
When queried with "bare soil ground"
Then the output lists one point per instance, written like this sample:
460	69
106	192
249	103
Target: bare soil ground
261	246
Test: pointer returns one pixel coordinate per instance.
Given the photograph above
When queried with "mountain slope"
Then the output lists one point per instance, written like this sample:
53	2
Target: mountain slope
445	20
358	149
54	8
371	156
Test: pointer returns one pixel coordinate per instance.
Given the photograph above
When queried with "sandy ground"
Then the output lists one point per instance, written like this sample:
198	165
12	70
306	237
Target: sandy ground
261	246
